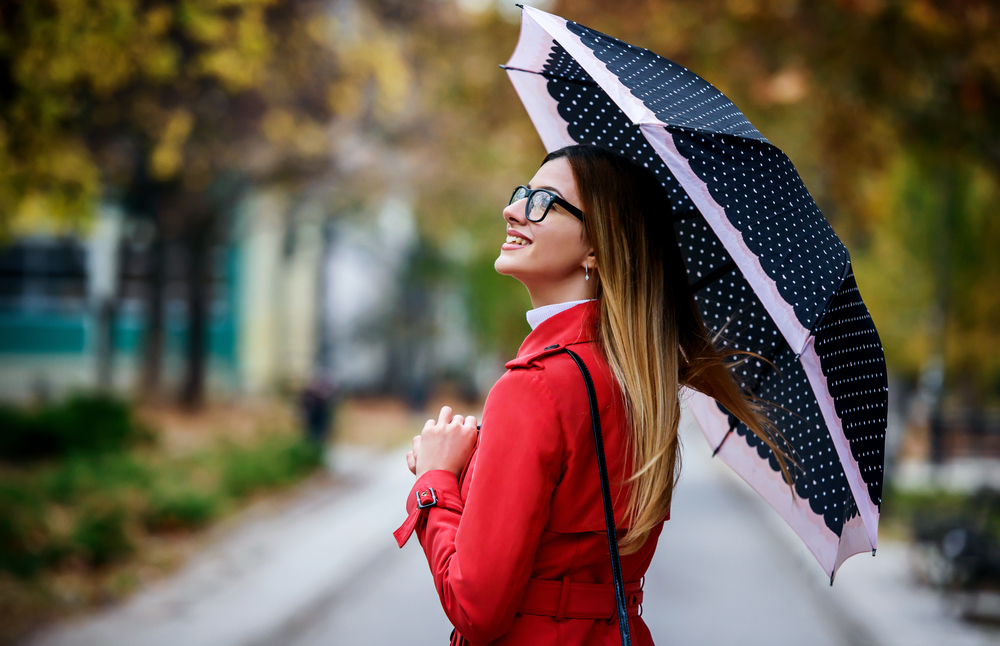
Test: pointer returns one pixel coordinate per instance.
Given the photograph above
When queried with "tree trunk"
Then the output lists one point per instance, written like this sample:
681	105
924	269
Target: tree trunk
324	344
954	188
199	249
152	365
106	311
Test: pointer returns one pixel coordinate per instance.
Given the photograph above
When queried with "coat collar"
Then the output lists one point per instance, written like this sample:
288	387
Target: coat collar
578	324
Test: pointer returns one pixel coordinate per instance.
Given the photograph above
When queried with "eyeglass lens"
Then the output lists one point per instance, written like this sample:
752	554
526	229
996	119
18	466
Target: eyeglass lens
539	204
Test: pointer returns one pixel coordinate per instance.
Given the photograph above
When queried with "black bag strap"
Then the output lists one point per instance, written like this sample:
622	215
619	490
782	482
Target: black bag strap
609	515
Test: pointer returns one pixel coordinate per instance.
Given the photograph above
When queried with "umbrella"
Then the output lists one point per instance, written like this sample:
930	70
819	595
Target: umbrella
765	266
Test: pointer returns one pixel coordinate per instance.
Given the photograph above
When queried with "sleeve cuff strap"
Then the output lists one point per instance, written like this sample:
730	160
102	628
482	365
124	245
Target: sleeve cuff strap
432	489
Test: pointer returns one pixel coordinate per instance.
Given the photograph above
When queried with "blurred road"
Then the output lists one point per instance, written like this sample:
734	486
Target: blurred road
327	572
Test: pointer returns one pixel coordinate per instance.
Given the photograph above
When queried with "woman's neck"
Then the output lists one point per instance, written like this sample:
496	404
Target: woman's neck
575	289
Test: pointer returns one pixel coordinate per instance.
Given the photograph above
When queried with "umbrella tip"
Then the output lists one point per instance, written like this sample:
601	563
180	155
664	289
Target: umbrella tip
873	551
518	4
831	579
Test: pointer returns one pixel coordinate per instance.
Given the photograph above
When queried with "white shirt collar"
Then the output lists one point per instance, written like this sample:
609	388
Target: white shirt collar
539	314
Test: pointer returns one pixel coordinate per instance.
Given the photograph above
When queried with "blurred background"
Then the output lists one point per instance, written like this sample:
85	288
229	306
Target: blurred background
248	245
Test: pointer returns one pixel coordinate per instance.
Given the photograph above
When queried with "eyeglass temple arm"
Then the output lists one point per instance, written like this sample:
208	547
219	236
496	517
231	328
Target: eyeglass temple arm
569	207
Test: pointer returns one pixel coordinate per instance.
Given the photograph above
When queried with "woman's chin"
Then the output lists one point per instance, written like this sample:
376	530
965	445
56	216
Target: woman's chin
507	266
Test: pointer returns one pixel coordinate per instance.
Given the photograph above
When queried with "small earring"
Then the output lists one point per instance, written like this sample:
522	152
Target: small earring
587	277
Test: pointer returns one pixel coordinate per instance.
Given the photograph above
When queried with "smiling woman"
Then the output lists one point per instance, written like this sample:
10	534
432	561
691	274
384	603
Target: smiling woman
510	518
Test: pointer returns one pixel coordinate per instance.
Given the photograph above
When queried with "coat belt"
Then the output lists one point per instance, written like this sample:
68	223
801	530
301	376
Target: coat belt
567	599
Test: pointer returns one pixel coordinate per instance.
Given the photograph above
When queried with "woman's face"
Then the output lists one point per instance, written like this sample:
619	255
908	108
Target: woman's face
553	252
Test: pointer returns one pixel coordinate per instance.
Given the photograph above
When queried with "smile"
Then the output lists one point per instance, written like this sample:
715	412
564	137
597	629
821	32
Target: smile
518	241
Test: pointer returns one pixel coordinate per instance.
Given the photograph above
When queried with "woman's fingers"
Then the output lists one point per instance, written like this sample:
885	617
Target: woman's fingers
446	418
447	443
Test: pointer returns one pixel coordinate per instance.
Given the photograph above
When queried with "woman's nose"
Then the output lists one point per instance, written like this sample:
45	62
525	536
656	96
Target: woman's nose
514	213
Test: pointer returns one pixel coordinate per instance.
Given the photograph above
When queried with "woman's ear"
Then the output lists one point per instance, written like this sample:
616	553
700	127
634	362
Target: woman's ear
590	262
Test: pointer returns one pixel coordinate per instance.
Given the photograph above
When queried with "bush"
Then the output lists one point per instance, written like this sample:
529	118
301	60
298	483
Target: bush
185	509
81	425
96	507
272	463
22	535
100	536
68	480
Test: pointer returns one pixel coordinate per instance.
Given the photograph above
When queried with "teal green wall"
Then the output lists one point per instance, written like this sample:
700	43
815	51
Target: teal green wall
73	334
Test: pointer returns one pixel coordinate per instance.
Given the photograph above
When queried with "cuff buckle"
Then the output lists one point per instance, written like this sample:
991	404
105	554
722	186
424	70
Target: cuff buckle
421	497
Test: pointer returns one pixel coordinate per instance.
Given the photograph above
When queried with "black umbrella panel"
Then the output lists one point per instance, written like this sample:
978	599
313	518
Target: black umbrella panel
765	265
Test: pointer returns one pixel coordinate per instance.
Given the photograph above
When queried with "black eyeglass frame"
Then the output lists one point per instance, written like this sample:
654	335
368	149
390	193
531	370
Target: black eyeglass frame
572	210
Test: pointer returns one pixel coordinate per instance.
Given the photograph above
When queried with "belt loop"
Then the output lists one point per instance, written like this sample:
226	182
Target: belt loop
563	598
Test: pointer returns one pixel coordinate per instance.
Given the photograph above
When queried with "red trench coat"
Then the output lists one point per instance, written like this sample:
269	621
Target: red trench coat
528	503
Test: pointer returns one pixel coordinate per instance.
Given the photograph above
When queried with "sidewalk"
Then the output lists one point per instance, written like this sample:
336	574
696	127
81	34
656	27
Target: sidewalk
727	571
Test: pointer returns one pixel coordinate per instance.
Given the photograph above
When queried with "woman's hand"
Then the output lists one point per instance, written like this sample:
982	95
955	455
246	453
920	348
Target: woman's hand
444	444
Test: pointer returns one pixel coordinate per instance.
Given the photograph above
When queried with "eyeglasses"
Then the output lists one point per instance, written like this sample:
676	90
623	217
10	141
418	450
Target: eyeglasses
540	200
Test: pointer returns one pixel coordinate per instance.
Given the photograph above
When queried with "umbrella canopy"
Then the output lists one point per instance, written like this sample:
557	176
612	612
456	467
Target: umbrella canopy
765	266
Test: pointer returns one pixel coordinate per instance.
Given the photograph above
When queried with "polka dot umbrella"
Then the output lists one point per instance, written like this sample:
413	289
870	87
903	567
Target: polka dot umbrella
765	266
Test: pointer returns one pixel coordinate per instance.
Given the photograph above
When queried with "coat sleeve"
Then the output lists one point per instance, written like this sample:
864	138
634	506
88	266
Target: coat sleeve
481	557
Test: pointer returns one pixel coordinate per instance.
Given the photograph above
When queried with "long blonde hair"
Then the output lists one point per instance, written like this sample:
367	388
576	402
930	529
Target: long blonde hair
649	329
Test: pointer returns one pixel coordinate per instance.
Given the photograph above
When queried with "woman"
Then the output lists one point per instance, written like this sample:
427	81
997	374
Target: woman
511	518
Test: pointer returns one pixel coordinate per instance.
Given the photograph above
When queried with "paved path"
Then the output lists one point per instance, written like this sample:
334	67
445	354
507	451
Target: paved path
327	572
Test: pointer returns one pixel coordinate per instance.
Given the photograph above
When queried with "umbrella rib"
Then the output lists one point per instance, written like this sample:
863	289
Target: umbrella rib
712	276
829	297
732	427
550	75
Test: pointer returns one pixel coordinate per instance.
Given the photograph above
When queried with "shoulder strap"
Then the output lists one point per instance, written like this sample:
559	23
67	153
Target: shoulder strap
609	516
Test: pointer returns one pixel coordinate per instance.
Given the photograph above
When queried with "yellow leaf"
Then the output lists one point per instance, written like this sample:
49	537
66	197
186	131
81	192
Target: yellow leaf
167	157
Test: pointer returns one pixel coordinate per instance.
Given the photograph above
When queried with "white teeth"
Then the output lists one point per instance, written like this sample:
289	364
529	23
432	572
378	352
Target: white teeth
517	240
